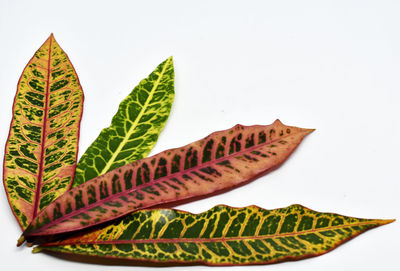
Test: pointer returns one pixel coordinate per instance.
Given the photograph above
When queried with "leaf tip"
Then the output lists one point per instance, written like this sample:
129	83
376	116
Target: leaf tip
309	131
386	221
278	122
21	240
51	37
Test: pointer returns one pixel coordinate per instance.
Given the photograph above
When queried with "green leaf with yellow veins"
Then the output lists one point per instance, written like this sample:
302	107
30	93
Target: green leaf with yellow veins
41	150
134	128
220	236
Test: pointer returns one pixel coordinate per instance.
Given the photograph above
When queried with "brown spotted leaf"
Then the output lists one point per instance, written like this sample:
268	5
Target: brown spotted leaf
218	162
220	236
41	150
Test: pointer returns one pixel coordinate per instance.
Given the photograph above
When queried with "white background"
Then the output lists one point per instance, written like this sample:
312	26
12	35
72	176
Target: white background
329	65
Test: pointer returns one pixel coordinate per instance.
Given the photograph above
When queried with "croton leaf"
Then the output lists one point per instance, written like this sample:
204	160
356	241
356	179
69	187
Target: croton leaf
218	162
134	128
41	150
220	236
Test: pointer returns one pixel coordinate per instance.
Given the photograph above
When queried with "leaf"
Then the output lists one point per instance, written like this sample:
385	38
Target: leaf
135	127
41	150
218	162
220	236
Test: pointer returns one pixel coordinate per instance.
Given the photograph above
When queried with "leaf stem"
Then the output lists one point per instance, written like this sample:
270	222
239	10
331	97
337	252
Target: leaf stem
37	250
21	240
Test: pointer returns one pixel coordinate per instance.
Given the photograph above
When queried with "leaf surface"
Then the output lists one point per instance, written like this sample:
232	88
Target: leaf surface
220	236
218	162
134	128
41	150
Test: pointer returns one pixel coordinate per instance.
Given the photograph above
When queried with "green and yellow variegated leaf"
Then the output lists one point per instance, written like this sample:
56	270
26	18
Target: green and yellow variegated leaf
41	150
221	161
135	127
221	236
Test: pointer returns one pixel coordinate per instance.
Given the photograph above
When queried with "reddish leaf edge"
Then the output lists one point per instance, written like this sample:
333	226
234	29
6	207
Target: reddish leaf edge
9	131
112	260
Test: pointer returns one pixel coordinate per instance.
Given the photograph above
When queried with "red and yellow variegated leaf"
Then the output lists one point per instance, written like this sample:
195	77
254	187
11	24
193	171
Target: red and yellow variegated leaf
40	154
218	162
221	236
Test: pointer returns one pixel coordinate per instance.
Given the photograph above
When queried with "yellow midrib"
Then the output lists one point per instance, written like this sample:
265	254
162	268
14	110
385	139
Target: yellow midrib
133	127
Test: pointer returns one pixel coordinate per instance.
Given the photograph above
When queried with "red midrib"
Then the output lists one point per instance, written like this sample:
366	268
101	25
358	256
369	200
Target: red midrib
41	162
219	239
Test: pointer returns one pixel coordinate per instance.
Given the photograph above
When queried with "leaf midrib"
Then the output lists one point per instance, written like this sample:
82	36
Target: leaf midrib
116	195
43	144
136	122
224	239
